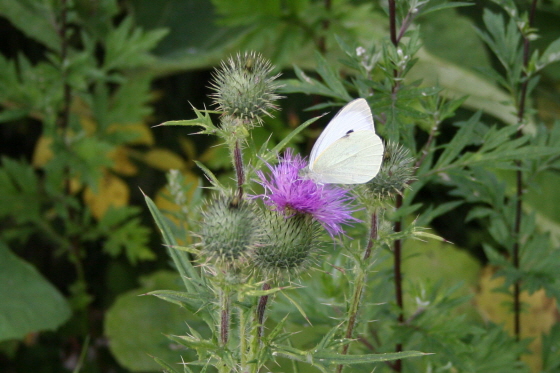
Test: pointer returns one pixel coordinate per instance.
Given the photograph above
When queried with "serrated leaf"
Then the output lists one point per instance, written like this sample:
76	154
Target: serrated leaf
325	358
127	46
181	259
34	18
202	120
168	368
332	79
125	233
210	175
299	308
190	301
459	82
194	343
462	138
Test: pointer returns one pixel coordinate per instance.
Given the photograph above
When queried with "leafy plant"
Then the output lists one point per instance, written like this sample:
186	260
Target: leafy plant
466	165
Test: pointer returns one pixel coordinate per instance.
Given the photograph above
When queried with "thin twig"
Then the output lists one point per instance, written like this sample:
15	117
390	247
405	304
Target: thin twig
519	179
359	284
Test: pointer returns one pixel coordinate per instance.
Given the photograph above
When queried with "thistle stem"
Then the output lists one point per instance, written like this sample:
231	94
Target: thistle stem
243	352
261	308
397	253
359	284
224	316
238	162
258	329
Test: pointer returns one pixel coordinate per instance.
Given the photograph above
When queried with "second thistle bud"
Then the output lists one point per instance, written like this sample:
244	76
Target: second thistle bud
244	88
286	245
228	230
395	174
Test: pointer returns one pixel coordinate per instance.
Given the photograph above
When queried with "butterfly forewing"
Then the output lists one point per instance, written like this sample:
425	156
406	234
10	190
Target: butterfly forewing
355	116
353	159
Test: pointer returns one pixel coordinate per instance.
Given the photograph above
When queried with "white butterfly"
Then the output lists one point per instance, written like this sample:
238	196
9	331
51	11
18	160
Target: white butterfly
348	151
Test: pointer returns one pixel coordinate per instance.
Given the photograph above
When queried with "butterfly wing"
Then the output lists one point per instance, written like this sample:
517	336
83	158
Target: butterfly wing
355	116
355	158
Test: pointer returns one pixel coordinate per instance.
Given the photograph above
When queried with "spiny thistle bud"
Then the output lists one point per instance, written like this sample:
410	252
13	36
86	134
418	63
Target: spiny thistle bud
286	245
245	89
228	229
395	174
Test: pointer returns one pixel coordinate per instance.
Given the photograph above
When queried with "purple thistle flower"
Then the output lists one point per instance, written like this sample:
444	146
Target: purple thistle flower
289	193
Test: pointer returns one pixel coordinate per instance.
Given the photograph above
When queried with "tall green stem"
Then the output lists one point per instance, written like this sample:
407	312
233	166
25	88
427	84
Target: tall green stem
224	316
240	172
243	352
359	284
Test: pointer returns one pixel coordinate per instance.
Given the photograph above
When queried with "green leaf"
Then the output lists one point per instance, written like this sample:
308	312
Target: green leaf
453	4
127	46
551	350
459	82
325	358
462	138
550	55
331	78
30	303
192	302
136	326
210	175
19	191
451	36
189	275
124	232
202	120
168	368
35	19
194	343
299	308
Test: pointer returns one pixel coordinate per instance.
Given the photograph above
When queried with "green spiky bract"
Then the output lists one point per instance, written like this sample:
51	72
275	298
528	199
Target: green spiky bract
228	230
395	174
287	245
244	88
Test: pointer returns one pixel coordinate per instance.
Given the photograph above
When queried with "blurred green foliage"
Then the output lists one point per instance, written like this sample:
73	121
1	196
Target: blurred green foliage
82	81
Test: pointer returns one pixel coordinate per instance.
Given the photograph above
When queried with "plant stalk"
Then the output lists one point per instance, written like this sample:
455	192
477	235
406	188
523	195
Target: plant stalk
359	284
519	179
224	317
238	162
397	248
261	308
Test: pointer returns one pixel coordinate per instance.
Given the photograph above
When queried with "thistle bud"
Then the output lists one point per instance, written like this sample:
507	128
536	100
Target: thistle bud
245	89
286	245
228	229
395	174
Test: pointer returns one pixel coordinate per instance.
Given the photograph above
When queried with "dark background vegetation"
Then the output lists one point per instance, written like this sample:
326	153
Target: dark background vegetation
201	33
